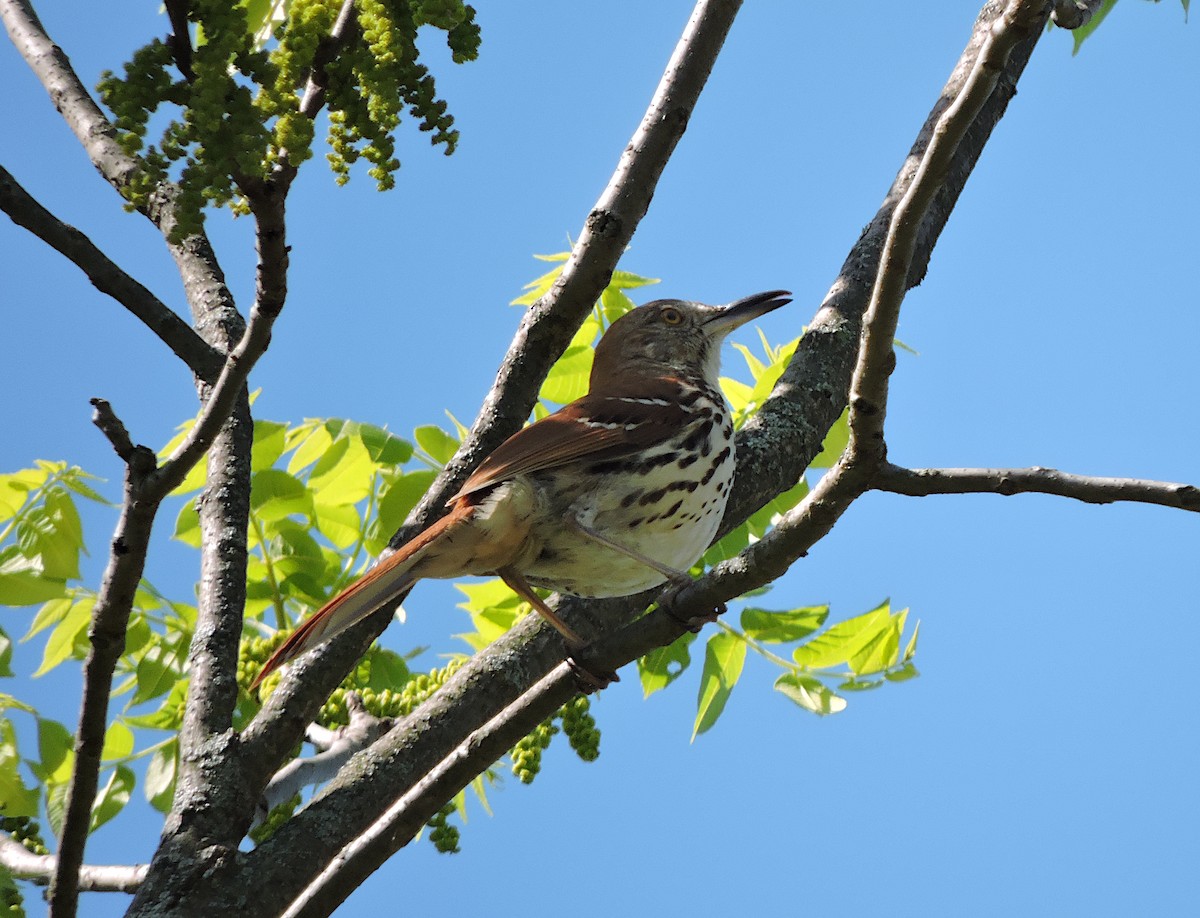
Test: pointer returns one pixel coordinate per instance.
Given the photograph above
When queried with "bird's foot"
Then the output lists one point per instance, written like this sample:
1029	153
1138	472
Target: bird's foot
588	679
692	623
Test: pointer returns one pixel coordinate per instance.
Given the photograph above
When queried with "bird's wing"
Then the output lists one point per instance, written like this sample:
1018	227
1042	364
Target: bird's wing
386	582
597	427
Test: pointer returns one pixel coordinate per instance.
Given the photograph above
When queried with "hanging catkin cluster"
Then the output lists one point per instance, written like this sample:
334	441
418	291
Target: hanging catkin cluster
232	111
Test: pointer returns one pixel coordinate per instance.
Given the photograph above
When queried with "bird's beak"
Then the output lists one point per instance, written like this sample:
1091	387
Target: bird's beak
739	312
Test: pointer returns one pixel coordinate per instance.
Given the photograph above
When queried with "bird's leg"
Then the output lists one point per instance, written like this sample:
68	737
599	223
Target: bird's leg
589	681
678	579
675	576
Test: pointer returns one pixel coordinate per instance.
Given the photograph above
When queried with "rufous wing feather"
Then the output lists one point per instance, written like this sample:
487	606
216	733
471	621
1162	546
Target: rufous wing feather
386	582
593	427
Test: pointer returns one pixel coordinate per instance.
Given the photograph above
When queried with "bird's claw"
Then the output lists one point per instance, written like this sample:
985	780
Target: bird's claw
692	623
587	679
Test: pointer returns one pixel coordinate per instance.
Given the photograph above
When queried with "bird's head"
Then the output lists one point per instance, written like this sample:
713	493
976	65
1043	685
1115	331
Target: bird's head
674	338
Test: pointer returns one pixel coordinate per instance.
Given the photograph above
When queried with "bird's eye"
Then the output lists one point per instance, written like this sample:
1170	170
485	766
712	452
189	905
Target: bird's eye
671	315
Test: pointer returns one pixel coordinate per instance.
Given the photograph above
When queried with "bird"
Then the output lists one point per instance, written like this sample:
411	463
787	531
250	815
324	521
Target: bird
617	492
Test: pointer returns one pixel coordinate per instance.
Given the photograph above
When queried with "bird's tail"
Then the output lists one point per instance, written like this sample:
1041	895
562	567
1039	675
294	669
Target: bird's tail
386	582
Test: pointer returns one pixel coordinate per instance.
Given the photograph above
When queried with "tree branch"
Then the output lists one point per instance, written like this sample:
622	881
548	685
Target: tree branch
25	865
1035	480
108	277
106	636
394	829
334	749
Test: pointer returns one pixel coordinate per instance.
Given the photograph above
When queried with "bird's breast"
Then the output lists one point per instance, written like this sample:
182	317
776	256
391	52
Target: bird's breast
665	501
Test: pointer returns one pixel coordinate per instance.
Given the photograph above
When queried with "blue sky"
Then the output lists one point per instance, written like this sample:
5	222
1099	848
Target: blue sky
1044	762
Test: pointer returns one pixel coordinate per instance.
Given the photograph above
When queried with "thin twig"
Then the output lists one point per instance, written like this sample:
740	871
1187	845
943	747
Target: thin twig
111	426
180	39
39	868
1036	480
335	749
106	638
327	51
108	277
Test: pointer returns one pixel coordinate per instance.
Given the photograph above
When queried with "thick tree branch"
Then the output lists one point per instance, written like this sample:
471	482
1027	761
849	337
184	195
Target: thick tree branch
1035	480
25	865
108	277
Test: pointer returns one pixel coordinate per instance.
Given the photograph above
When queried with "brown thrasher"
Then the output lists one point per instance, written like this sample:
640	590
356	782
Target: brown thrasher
618	492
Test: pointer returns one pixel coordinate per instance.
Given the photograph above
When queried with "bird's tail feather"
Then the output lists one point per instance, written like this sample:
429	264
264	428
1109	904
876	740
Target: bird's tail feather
386	582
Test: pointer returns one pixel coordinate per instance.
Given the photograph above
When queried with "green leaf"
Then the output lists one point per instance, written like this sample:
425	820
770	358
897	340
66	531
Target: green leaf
18	799
66	634
49	614
400	497
1082	34
6	649
809	693
834	445
910	649
311	446
614	304
845	639
159	786
198	474
627	280
724	655
187	525
339	523
437	443
14	491
494	609
343	475
664	665
388	670
882	651
568	380
169	715
157	671
766	516
782	627
903	674
75	478
56	806
384	447
275	494
539	285
118	742
738	394
55	752
269	441
112	797
23	582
